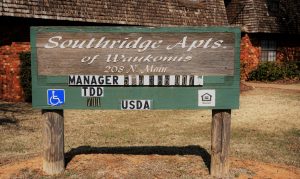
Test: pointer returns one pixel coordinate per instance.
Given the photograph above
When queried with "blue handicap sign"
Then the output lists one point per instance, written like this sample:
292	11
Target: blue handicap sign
55	97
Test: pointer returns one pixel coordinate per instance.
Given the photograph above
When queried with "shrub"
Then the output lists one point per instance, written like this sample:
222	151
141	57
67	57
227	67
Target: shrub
249	57
267	71
25	74
271	71
291	70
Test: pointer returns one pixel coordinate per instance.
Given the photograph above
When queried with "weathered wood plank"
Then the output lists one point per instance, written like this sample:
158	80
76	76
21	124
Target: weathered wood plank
64	53
53	141
220	139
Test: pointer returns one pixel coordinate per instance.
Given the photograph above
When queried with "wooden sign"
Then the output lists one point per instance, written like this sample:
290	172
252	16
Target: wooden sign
135	68
153	53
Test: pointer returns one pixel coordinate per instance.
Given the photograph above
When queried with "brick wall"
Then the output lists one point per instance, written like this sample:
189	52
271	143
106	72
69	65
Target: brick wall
288	50
10	67
14	38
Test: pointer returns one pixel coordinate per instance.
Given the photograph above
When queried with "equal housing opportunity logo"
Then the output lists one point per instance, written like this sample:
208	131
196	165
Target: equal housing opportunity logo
206	97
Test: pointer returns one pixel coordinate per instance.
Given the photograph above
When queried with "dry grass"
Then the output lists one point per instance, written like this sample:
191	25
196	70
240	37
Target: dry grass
266	128
269	124
20	131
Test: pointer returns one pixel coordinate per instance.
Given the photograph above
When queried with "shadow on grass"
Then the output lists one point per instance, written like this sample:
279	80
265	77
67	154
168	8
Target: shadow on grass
8	121
7	115
142	150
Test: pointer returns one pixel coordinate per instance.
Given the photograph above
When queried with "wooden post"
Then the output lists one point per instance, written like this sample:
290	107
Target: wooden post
220	138
53	141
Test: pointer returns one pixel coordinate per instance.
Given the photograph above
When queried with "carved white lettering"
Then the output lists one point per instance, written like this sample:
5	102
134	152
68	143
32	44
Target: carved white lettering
207	43
89	45
195	45
139	59
102	44
181	44
66	43
144	45
76	42
139	43
217	44
134	43
51	40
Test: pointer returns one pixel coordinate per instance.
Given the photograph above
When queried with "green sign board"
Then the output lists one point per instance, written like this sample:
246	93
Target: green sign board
135	68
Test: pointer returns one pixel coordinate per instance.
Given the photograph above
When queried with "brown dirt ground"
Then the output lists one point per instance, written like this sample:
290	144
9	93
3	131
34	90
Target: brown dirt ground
133	166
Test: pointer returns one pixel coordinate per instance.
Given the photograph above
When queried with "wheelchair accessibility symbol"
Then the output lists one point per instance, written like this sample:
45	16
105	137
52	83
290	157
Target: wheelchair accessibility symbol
55	97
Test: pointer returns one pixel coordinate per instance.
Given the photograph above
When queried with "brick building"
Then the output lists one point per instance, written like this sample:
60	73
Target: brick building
270	30
17	17
266	36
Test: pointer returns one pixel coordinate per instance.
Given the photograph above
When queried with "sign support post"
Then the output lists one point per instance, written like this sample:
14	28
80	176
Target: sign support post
53	141
220	139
